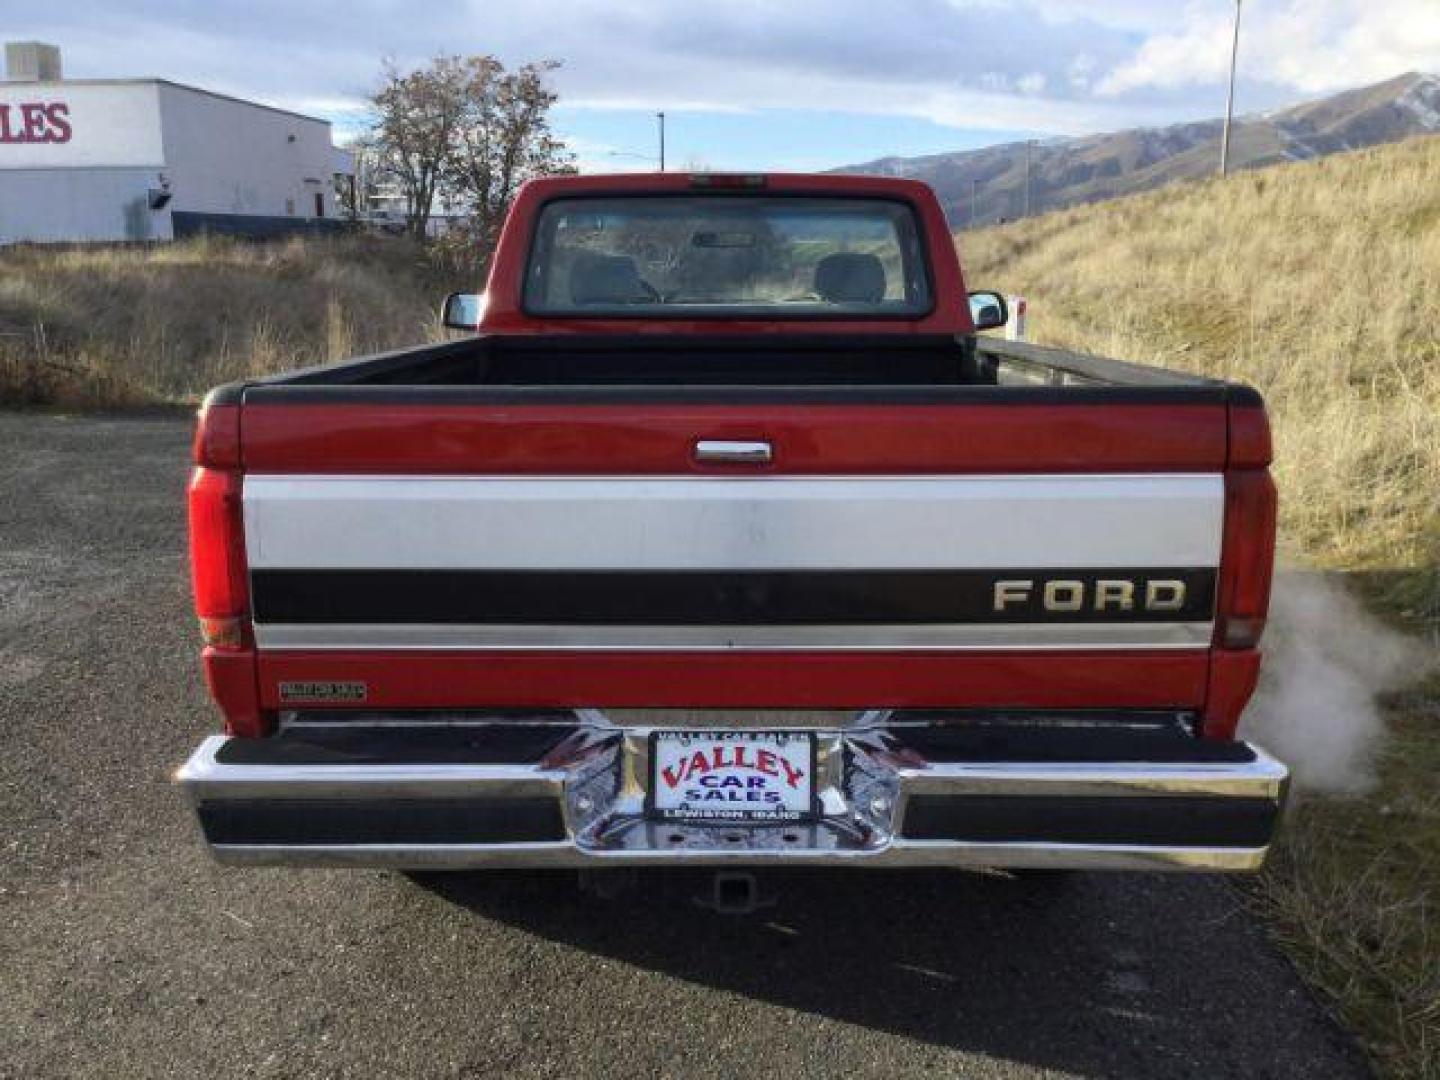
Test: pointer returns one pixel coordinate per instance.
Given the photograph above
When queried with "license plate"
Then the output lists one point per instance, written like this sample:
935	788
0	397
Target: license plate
732	776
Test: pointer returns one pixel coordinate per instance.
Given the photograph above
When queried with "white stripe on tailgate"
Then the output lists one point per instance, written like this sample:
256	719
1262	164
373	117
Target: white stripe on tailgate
715	523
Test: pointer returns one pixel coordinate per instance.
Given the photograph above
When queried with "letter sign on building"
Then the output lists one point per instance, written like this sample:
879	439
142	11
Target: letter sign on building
81	125
35	122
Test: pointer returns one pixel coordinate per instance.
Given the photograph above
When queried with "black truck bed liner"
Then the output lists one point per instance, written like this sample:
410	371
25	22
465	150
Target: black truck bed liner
841	369
831	360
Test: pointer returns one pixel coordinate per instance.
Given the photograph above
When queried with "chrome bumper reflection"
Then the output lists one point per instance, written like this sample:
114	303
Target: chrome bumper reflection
874	791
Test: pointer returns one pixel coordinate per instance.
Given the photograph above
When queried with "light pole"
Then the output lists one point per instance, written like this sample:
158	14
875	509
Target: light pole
1230	96
974	189
660	116
1029	146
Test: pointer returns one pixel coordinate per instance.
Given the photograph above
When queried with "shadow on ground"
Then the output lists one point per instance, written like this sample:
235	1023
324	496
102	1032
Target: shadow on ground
1089	974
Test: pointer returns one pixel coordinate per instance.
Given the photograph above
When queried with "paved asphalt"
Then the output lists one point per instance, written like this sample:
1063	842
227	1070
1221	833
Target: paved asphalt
125	952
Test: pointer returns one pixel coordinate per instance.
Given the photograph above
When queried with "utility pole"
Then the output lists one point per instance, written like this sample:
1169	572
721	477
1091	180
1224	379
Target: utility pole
1029	146
974	219
660	116
1230	96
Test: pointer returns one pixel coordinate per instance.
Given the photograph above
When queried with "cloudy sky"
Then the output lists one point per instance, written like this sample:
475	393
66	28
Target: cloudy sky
751	84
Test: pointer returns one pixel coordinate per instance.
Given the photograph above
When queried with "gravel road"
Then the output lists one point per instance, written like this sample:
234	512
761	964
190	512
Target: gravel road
125	952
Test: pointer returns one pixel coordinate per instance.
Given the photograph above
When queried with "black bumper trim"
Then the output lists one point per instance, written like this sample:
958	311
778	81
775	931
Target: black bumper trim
320	822
1169	821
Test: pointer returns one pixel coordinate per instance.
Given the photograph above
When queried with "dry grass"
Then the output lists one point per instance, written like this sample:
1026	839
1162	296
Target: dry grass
1319	284
1353	894
119	326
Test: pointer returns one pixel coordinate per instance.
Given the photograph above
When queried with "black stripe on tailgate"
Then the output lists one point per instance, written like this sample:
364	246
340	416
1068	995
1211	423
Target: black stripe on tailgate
734	598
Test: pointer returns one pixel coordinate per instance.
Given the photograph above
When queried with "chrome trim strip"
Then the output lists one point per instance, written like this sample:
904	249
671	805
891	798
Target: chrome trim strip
900	854
1265	777
207	778
960	637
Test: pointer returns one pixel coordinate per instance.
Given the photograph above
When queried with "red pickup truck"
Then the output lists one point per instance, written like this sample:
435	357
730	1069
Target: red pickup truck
721	539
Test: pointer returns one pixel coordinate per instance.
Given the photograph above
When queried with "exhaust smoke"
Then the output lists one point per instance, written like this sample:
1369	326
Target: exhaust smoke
1327	662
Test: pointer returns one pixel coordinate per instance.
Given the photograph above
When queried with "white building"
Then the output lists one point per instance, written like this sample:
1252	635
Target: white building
148	159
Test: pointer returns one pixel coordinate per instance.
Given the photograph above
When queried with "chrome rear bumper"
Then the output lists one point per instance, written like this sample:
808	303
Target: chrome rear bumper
571	794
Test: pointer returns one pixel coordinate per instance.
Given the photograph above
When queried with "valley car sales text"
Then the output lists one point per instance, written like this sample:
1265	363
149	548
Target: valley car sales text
703	769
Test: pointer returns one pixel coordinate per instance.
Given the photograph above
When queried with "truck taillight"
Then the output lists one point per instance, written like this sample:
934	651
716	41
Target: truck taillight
217	555
217	433
1247	558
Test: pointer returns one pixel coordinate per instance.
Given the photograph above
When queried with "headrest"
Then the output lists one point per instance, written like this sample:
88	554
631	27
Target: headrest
849	277
605	279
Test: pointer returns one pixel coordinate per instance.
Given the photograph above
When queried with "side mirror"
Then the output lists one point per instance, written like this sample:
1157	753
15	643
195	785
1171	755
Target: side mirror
988	310
462	310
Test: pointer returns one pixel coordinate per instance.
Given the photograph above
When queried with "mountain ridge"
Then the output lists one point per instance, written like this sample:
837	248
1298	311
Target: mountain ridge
985	185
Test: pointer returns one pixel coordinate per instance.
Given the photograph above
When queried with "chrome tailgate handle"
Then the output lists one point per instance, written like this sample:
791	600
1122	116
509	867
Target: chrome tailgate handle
733	452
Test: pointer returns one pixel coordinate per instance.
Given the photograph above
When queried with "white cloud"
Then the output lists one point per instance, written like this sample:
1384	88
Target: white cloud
1060	66
1309	46
1032	85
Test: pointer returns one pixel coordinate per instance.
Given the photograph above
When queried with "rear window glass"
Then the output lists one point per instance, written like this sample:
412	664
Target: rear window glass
719	256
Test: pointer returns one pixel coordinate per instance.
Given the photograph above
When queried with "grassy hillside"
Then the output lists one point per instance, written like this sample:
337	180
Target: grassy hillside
128	326
991	182
1318	283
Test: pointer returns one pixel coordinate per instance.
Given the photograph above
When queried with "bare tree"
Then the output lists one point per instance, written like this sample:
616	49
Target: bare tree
417	119
465	132
504	139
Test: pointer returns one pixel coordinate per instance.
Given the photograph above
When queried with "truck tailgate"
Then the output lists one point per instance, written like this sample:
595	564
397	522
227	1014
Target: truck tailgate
898	552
